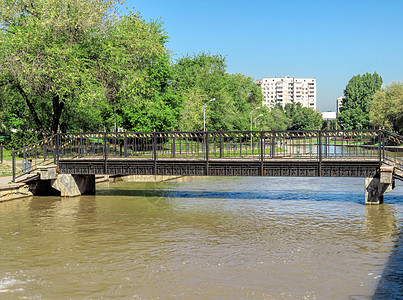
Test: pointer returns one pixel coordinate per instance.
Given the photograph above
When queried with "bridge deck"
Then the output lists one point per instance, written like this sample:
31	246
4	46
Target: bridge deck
293	167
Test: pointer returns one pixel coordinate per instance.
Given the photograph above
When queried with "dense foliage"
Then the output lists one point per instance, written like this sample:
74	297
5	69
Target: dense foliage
386	109
78	65
75	65
203	77
355	111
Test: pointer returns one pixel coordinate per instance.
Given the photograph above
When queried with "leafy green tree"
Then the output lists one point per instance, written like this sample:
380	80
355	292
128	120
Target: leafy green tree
202	77
191	118
307	119
136	71
274	119
302	118
15	119
44	53
77	65
386	109
358	93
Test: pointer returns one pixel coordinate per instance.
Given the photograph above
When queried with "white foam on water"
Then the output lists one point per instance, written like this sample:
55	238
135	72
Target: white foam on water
7	282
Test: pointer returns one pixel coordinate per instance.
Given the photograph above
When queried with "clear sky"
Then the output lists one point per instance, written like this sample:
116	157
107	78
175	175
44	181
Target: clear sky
328	40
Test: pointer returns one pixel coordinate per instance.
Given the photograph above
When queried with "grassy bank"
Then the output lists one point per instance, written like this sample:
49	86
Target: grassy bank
5	170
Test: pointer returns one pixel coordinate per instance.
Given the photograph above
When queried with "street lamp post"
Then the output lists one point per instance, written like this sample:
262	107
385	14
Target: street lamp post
257	118
250	115
360	132
251	135
204	113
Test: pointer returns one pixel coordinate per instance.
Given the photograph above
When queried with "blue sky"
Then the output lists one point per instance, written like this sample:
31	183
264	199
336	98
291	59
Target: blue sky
328	40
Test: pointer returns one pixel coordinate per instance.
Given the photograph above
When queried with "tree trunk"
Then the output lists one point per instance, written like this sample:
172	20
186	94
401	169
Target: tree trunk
57	113
32	110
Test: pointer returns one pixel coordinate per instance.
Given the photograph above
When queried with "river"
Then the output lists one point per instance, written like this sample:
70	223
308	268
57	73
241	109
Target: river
205	238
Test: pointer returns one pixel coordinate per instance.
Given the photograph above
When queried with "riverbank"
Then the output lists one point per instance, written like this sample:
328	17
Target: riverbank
13	191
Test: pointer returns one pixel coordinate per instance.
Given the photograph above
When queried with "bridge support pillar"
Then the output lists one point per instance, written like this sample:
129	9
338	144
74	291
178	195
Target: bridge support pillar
74	185
379	185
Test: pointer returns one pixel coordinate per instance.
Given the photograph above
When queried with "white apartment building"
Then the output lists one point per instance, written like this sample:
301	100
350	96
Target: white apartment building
339	103
288	90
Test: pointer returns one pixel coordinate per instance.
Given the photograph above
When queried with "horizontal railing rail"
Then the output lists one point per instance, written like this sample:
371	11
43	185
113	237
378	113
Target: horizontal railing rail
27	159
392	149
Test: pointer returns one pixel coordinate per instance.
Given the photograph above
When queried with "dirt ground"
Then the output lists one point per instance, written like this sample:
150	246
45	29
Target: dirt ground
5	180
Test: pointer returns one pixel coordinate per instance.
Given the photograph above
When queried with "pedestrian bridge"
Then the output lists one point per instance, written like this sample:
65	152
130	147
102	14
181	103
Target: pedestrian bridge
317	153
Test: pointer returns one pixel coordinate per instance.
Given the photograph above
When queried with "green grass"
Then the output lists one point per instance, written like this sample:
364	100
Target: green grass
7	154
5	170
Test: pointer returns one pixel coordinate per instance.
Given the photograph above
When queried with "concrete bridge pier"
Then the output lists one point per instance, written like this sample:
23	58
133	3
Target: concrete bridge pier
379	185
65	185
74	185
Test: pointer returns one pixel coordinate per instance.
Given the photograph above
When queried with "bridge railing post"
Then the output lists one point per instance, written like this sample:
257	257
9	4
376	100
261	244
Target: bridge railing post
262	146
125	144
207	142
56	161
105	154
381	147
155	152
320	153
13	164
173	145
82	150
221	144
273	145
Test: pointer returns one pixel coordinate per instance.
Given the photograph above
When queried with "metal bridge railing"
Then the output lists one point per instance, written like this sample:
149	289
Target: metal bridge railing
392	149
229	145
27	159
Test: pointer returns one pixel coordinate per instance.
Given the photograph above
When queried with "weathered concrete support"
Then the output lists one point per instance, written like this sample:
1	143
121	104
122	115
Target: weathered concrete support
74	185
47	172
379	185
14	191
145	178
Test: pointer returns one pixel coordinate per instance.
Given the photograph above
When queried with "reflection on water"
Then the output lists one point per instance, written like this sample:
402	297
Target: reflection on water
258	238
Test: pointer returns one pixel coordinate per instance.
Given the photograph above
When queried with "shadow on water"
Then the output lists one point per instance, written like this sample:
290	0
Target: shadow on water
391	283
352	197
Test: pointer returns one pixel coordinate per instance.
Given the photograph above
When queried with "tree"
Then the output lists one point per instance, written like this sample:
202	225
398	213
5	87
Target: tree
386	109
135	70
202	77
275	119
45	52
358	93
302	118
84	66
307	119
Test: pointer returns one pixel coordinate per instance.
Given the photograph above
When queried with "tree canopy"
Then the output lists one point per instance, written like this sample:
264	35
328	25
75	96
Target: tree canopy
202	77
386	109
71	65
358	93
77	64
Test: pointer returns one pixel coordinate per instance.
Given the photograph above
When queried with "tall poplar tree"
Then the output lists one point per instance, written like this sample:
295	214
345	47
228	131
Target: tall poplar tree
358	92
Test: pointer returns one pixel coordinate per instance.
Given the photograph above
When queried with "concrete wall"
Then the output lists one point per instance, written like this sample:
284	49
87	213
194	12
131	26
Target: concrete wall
14	191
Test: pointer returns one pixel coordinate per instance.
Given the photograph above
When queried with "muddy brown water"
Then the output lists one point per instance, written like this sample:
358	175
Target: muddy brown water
204	238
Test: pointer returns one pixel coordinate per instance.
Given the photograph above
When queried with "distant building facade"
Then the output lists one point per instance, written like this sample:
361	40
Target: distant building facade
339	103
288	90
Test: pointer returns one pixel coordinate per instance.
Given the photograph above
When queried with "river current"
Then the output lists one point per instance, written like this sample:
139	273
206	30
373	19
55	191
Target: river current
205	238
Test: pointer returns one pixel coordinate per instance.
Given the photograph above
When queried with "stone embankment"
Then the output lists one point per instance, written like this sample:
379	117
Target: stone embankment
12	191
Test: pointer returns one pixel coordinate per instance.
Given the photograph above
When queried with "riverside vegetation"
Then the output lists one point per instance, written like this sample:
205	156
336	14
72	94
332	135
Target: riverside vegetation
81	65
